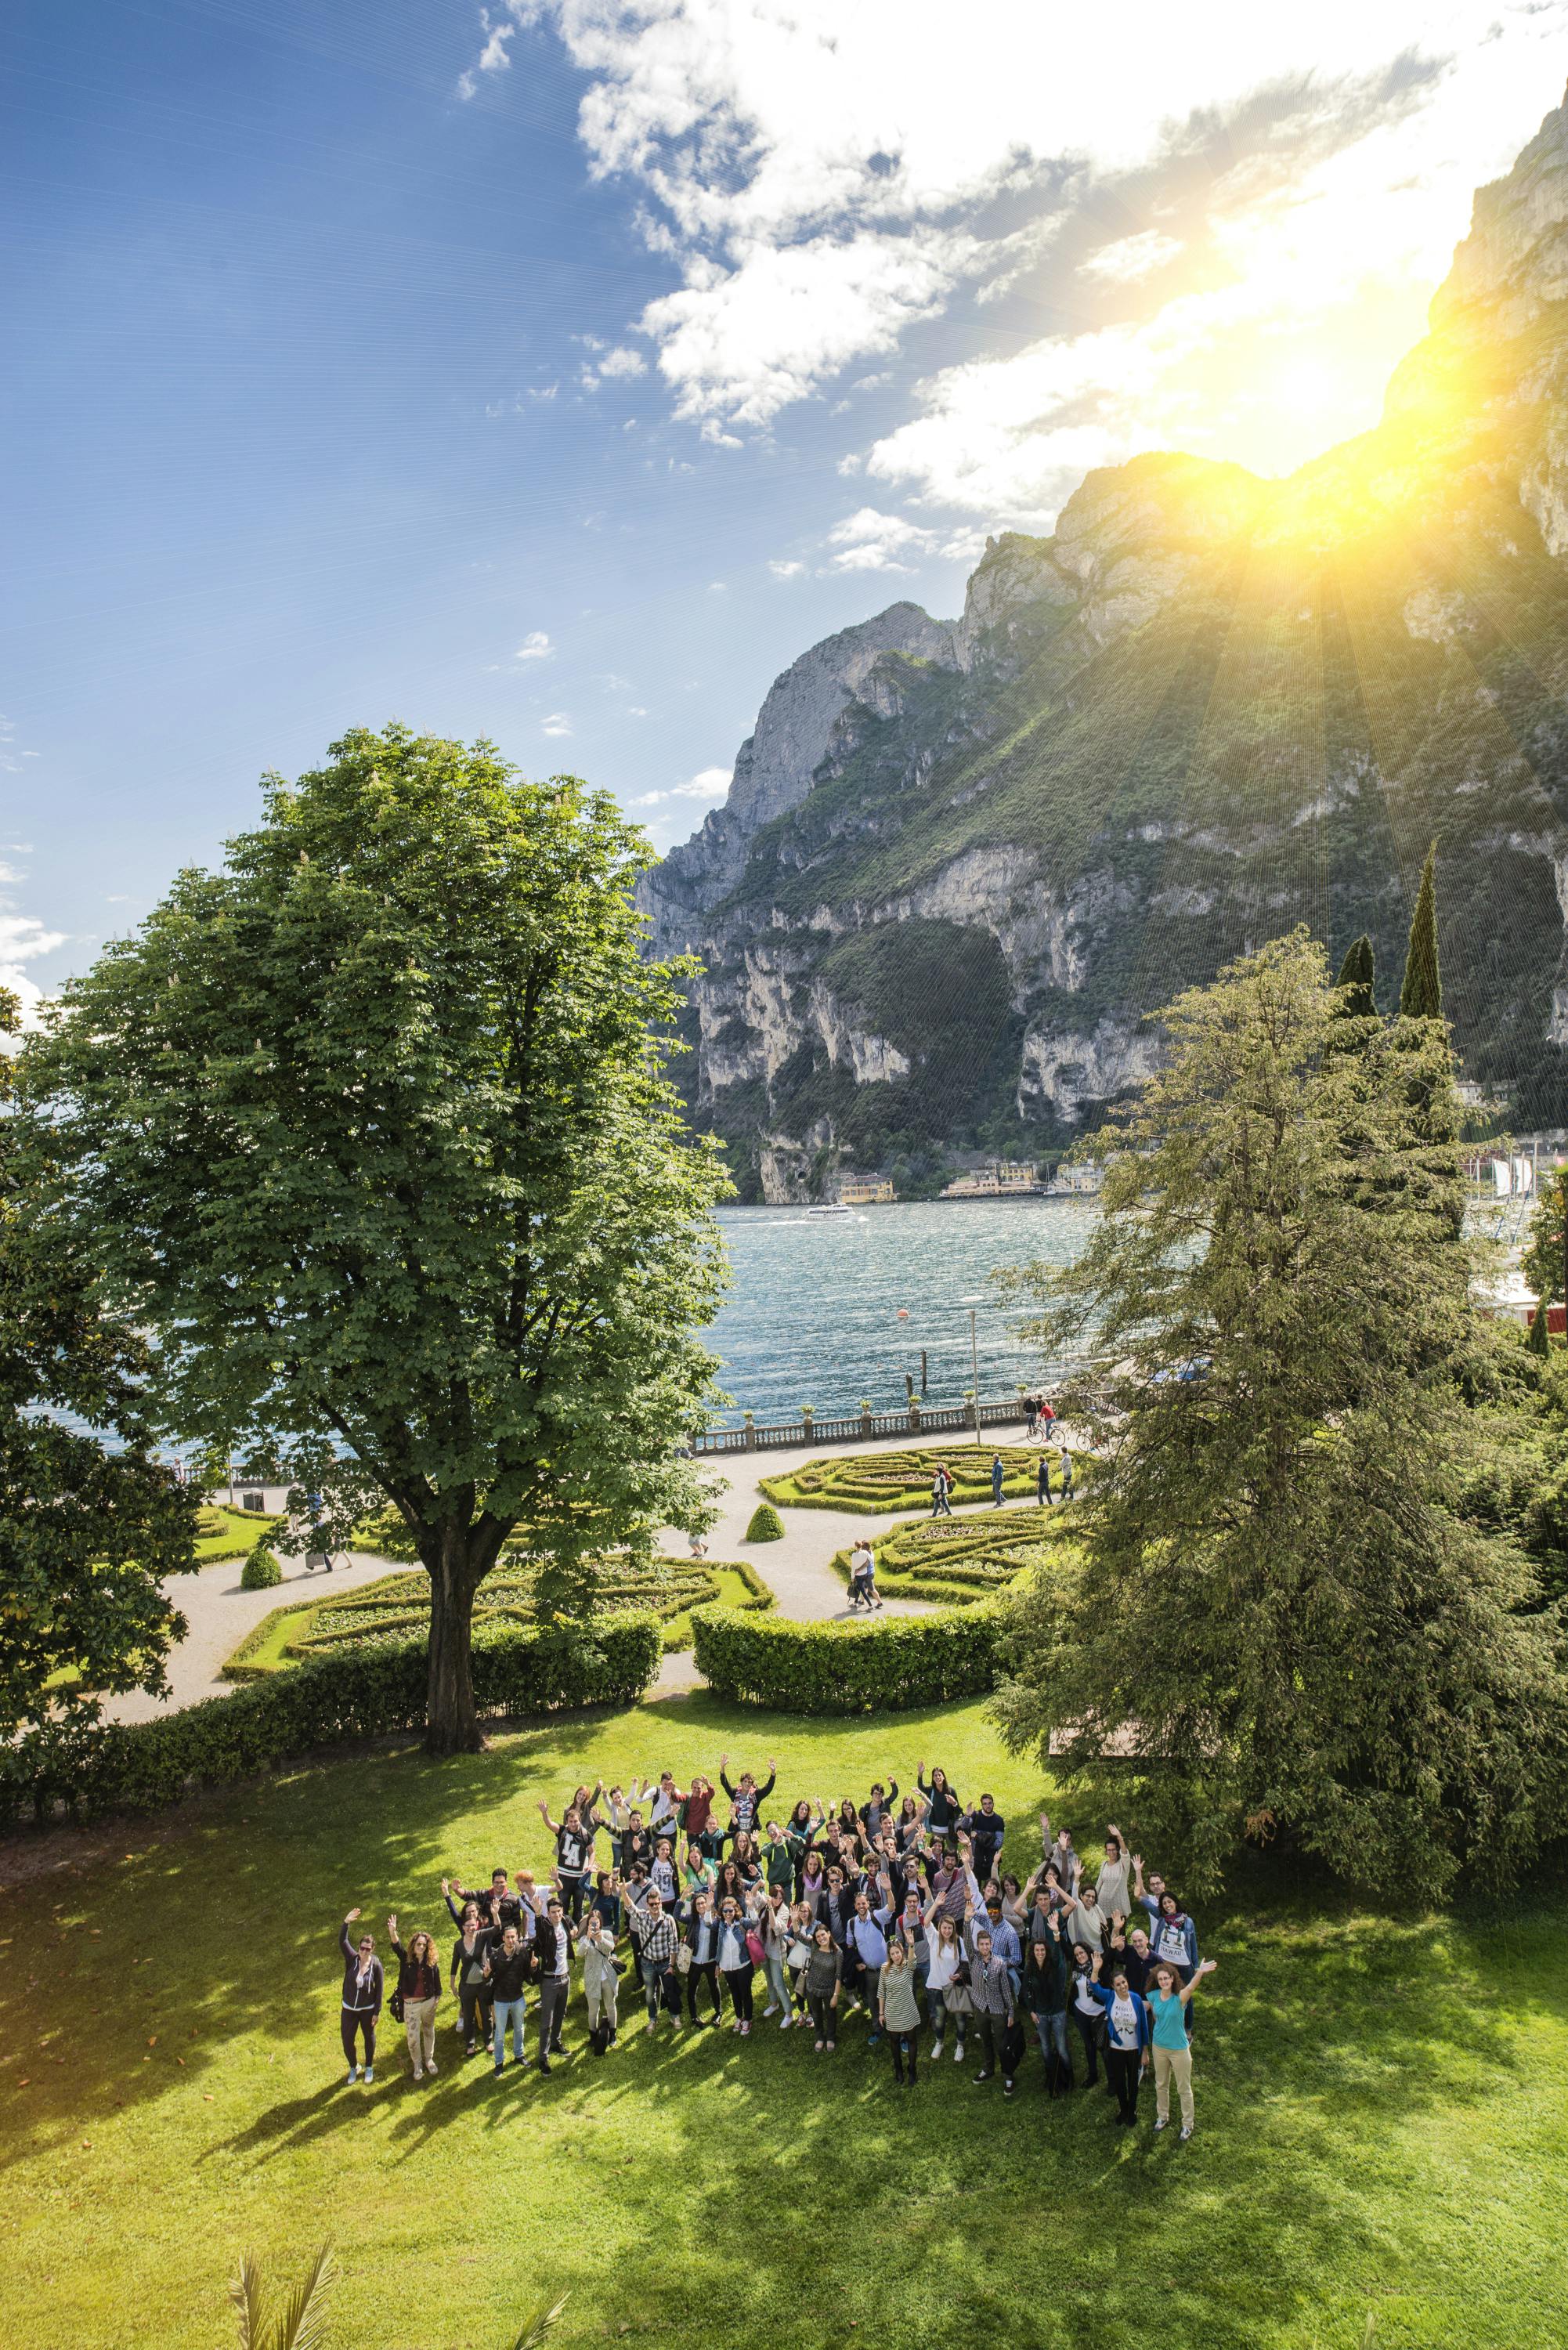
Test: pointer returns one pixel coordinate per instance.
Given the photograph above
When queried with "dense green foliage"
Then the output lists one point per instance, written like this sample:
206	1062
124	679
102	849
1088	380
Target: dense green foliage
766	1524
372	1691
1357	980
90	1521
261	1570
398	1608
1545	1260
902	1481
368	1128
833	1668
1421	989
1380	2101
1279	1586
965	1559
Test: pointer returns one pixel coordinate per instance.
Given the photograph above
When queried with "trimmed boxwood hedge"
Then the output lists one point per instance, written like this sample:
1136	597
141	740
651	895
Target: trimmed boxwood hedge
837	1668
870	1481
141	1766
963	1560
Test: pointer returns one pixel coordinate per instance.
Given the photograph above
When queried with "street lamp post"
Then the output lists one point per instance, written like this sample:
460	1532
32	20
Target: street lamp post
974	1359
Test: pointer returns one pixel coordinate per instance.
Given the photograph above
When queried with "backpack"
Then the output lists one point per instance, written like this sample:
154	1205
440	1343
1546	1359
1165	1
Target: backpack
599	2037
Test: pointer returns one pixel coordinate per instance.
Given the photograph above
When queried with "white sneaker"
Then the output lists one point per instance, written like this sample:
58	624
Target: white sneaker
1160	2120
353	2075
770	2011
418	2074
936	2052
431	2065
1186	2131
785	2024
958	2053
369	2075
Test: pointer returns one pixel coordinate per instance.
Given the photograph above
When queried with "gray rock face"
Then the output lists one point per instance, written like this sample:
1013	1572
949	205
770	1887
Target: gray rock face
774	764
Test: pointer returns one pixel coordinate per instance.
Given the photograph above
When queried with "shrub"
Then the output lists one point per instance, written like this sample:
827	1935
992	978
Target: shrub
833	1668
766	1524
965	1559
902	1480
261	1570
372	1692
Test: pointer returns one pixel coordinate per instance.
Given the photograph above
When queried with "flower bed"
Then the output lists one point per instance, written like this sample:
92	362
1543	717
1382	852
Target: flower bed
960	1560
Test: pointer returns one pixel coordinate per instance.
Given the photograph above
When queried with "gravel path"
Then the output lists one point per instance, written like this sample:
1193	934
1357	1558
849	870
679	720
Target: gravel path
796	1570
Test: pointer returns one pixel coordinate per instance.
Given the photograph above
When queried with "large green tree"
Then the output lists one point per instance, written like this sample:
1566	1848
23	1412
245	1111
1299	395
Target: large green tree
370	1130
91	1519
1283	1623
1545	1260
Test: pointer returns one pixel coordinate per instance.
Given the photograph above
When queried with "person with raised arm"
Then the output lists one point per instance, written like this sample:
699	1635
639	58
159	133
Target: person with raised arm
991	1989
497	1906
1128	2035
469	1980
362	1986
698	1926
823	1972
506	1969
1058	1852
418	1995
746	1798
1045	1998
899	2011
574	1837
985	1828
942	1805
1169	1999
553	1936
1114	1879
601	1983
947	1978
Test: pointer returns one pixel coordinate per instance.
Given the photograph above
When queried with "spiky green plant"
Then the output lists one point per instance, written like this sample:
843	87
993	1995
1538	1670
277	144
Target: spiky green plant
295	2322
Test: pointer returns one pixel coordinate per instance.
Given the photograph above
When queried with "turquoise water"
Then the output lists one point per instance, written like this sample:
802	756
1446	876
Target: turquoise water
812	1317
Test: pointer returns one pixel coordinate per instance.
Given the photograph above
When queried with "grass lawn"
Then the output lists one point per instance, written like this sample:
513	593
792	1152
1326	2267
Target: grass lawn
230	1534
872	1481
1380	2104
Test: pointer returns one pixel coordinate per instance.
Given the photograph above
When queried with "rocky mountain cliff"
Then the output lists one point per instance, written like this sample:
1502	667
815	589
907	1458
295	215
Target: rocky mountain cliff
960	864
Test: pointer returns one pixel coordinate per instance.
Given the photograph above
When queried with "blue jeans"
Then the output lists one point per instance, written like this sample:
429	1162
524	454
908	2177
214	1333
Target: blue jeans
508	2010
1052	2033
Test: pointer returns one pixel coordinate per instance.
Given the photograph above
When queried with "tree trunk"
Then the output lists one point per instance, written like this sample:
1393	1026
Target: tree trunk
452	1721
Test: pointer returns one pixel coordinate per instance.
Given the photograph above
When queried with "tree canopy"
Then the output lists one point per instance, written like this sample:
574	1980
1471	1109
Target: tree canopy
1281	1611
90	1520
369	1129
1421	989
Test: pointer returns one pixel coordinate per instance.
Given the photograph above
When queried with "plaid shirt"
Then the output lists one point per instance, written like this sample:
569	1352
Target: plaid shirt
656	1937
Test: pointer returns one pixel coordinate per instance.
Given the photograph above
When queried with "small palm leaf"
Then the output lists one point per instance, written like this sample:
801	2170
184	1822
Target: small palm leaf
537	2327
302	2323
245	2292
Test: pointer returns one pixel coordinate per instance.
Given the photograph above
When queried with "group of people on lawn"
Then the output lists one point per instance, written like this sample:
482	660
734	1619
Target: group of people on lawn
898	1907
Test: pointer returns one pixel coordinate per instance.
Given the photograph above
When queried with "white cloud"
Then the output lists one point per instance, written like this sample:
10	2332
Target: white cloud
709	784
535	646
622	361
790	570
635	711
492	59
1132	258
872	541
557	722
824	177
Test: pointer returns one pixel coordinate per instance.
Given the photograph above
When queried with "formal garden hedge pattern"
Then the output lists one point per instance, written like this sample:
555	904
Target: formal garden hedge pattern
902	1481
963	1560
839	1669
399	1608
372	1691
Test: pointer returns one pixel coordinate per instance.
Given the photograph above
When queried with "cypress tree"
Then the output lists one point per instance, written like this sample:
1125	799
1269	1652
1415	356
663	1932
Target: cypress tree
1421	992
1539	1341
1357	973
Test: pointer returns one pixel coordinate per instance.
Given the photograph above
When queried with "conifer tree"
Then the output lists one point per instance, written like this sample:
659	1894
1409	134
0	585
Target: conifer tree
1539	1341
1357	972
1421	990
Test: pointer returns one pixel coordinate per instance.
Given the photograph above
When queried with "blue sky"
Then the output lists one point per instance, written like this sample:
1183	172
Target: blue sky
559	371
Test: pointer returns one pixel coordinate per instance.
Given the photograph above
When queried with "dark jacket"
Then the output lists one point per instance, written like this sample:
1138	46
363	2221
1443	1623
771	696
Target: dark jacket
543	1948
508	1974
417	1978
945	1807
462	1959
1045	1987
365	2000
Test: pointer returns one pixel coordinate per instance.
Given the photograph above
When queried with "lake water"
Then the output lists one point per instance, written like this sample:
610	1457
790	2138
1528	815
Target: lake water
812	1315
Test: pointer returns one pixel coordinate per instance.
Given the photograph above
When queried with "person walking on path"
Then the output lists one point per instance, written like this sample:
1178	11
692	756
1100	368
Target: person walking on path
601	1984
997	1479
506	1972
941	1488
1167	1998
552	1938
899	2011
418	1995
1128	2033
1043	1482
1064	1462
363	1985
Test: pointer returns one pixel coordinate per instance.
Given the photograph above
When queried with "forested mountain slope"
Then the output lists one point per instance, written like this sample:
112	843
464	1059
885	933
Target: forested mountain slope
1207	708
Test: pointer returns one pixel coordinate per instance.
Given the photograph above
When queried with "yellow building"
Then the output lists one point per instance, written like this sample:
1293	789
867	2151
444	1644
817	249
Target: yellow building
865	1190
